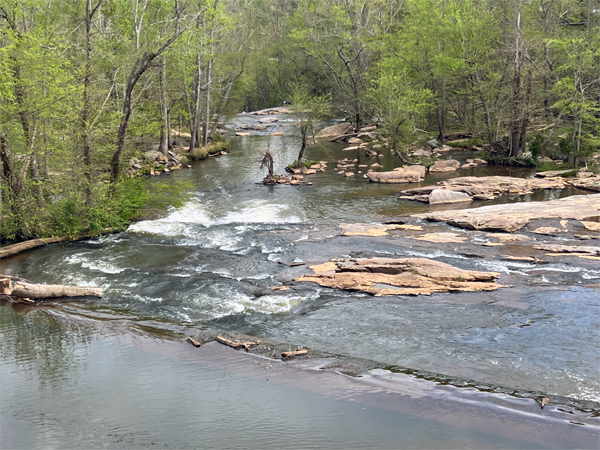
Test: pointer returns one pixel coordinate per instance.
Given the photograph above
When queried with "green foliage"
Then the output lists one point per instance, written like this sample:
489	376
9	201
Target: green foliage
537	147
550	165
398	104
113	208
411	66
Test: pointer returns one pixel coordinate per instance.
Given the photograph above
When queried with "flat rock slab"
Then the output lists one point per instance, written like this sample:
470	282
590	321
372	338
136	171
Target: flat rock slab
514	216
488	188
590	183
374	229
569	249
442	238
402	276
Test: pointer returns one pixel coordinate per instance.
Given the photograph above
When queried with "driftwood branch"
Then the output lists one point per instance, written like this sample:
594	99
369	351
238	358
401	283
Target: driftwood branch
193	341
294	353
236	345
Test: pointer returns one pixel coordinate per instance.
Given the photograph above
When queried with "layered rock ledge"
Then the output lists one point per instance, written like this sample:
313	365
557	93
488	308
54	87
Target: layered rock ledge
402	276
514	216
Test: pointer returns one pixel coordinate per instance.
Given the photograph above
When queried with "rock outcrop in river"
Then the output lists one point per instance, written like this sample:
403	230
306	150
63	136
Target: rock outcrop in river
514	216
402	276
486	188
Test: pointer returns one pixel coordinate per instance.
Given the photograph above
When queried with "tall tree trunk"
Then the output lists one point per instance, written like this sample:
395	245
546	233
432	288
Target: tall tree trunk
221	110
85	113
525	119
206	125
195	119
13	180
442	113
164	108
303	147
516	96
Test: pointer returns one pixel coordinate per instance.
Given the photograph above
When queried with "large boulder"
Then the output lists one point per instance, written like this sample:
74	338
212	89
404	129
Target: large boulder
394	176
443	196
336	130
433	143
422	153
268	120
152	155
447	165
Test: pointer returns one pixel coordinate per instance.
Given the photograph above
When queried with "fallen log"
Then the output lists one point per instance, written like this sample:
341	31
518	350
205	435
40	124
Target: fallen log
235	345
458	135
10	250
294	353
19	289
14	249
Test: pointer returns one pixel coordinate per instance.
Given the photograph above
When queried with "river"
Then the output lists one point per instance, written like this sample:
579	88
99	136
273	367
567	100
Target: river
208	266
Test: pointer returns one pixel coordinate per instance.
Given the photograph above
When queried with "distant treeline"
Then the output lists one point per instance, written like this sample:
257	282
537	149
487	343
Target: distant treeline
87	85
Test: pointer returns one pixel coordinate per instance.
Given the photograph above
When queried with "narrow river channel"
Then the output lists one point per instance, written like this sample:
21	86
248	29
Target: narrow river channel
209	264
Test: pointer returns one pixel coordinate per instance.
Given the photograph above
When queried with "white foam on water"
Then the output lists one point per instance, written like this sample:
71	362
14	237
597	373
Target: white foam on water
260	211
265	249
195	212
267	304
589	274
146	300
97	265
435	254
507	267
260	276
562	268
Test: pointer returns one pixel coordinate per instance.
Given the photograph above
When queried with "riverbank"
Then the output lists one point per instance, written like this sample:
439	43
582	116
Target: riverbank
170	393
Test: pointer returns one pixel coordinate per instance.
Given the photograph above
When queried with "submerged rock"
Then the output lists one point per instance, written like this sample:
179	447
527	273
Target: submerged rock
402	276
374	229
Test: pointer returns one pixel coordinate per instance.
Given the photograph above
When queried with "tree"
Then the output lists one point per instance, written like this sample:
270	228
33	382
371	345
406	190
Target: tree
399	105
308	109
140	66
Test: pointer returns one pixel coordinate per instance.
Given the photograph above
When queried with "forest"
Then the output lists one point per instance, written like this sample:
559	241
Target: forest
87	86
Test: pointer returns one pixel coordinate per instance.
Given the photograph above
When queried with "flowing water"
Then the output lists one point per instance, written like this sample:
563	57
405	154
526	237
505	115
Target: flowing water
209	263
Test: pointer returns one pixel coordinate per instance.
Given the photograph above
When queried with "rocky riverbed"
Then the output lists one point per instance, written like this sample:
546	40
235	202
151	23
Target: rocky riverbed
237	259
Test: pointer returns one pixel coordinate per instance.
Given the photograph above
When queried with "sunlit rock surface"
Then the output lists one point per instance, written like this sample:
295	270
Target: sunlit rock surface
402	276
